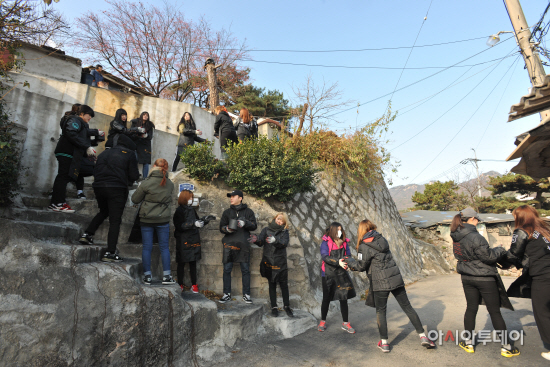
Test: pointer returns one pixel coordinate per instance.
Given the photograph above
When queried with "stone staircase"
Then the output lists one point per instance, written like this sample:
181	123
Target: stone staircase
56	237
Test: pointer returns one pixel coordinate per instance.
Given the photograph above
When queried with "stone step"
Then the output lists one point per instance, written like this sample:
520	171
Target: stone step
65	232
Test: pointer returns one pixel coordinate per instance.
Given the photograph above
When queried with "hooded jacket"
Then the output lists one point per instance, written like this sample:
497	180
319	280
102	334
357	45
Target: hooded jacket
117	167
377	260
188	239
117	126
274	264
156	200
223	124
475	257
74	141
236	247
338	281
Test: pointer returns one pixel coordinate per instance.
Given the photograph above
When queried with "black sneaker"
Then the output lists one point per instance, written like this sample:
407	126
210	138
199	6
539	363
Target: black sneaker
167	279
147	279
247	299
288	311
274	312
86	239
226	298
111	258
81	196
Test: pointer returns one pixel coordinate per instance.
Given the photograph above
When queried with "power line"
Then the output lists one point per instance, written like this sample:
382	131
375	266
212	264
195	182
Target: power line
412	48
421	80
498	104
463	126
452	107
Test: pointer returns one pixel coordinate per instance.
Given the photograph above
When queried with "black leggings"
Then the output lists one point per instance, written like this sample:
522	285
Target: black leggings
381	302
177	160
192	272
273	293
488	290
327	297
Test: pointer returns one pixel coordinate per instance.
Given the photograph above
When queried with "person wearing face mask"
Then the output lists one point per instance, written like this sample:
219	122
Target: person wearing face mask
187	225
188	136
274	239
336	282
236	224
154	216
384	276
477	264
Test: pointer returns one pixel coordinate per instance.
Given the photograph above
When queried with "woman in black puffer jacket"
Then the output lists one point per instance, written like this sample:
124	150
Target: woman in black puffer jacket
188	136
531	250
377	260
477	263
224	129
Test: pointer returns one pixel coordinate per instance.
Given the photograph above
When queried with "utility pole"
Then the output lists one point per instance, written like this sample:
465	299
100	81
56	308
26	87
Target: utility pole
214	98
530	56
477	170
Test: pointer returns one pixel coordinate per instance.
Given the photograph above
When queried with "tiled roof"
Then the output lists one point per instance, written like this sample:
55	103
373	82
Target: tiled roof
536	101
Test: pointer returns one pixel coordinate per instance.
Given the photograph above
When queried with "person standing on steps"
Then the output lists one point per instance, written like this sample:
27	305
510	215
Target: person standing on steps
384	276
73	147
531	251
155	194
120	126
246	126
224	129
236	224
188	136
477	263
115	170
274	239
335	280
145	127
187	225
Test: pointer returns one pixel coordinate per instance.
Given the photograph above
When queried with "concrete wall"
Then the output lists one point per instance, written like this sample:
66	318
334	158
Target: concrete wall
43	63
40	107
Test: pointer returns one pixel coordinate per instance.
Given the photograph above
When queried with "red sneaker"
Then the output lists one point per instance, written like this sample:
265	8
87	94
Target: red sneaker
65	209
195	288
322	326
181	286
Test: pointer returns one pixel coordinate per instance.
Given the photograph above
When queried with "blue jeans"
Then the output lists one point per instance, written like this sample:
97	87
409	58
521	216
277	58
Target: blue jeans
146	170
245	271
163	234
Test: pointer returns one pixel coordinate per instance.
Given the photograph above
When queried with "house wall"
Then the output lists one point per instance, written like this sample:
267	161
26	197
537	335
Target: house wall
39	62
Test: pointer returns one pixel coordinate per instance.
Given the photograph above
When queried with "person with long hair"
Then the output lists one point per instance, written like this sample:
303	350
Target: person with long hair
145	128
246	125
531	249
224	129
335	280
477	264
189	134
274	239
118	126
155	194
187	225
384	276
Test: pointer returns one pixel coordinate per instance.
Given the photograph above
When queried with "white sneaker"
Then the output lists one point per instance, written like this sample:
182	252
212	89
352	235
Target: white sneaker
226	298
247	299
545	355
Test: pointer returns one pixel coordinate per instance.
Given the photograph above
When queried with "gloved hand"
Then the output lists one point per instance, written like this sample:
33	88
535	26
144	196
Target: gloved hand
343	264
240	223
141	130
270	239
229	230
91	152
143	135
198	132
101	133
199	224
253	238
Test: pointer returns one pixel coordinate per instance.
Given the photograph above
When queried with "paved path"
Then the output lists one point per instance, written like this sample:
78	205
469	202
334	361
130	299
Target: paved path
440	303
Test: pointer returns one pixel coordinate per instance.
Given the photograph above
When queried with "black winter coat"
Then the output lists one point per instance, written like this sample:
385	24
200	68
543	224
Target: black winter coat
236	247
249	130
475	257
74	141
377	260
117	167
274	265
223	124
117	126
338	281
188	134
143	145
188	238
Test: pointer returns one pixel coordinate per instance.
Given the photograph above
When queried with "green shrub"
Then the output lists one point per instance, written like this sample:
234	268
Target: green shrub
200	162
266	168
9	159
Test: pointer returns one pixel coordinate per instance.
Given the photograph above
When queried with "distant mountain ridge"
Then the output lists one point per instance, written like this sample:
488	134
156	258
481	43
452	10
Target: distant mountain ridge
402	195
